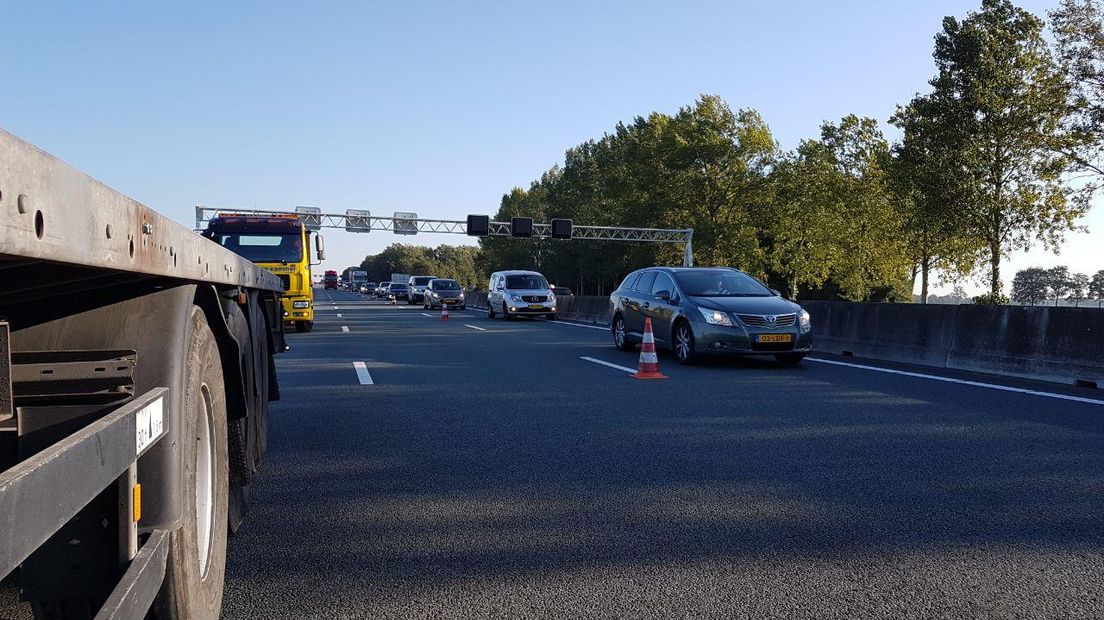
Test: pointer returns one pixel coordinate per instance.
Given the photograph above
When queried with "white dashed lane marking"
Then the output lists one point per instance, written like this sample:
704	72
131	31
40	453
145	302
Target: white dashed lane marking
482	329
362	373
597	361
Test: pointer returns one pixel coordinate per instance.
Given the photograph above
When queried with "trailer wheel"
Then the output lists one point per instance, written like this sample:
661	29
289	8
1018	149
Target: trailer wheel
196	567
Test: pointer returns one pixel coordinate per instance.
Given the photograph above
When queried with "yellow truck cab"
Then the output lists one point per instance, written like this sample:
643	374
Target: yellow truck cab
281	244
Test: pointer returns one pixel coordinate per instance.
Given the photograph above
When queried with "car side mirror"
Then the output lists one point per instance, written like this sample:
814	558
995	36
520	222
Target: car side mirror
663	295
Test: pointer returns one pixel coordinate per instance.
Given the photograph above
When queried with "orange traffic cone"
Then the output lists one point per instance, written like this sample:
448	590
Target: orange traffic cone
444	311
649	363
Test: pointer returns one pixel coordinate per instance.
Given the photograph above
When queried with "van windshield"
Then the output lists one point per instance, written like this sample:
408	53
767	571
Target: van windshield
527	281
421	280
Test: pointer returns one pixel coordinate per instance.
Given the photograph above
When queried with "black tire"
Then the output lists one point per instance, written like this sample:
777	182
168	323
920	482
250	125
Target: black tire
551	317
490	311
237	508
683	343
621	343
506	313
304	326
189	591
790	359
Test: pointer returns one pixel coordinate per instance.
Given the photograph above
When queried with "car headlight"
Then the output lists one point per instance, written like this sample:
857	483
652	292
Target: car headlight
805	321
716	317
300	304
461	295
515	297
435	295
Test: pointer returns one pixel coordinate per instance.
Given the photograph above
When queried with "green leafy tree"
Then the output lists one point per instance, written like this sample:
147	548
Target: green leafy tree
1001	102
1030	286
1078	27
1058	282
1096	287
1078	288
925	186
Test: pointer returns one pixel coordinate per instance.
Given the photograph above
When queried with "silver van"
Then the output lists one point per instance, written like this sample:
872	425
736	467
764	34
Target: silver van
519	293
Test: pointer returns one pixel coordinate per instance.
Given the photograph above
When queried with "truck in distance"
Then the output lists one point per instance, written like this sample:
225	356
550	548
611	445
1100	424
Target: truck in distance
329	280
281	244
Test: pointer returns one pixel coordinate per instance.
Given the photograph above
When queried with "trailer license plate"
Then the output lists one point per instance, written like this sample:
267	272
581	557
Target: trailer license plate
775	338
150	423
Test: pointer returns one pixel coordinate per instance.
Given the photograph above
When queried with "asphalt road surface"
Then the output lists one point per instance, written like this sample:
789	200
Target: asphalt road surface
482	469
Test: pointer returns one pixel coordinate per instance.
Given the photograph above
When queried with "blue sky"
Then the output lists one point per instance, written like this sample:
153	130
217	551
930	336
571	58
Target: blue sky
436	108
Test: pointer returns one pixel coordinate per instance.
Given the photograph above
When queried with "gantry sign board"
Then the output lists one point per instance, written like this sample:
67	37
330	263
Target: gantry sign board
406	223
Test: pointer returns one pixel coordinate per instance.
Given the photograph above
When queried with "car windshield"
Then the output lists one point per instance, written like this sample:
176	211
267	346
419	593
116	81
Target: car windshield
720	283
265	248
527	281
422	281
445	285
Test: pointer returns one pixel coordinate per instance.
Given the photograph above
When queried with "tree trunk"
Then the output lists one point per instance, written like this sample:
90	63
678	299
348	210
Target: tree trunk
924	269
994	269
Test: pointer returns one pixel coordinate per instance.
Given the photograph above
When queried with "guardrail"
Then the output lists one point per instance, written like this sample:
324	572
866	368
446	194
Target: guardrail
42	493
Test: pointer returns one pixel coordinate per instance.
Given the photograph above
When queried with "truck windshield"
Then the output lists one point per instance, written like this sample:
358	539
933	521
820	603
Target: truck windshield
265	248
528	281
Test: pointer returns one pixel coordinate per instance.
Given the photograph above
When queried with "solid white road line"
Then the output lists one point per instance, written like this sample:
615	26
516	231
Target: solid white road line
345	328
482	329
362	373
429	315
596	361
991	386
605	329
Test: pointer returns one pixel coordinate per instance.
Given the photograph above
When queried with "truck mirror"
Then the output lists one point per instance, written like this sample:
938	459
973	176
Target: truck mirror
320	244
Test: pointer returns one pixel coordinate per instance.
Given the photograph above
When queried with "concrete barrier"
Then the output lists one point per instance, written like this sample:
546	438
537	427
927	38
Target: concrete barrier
1064	345
910	333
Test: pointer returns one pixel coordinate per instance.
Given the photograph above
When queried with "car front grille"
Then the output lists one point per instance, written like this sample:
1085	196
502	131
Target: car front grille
761	320
534	299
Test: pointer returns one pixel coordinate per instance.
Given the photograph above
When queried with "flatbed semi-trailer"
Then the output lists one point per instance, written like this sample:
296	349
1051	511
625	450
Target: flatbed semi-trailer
136	370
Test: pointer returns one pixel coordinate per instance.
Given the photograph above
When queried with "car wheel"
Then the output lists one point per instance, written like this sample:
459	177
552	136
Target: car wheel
620	335
506	313
684	344
790	359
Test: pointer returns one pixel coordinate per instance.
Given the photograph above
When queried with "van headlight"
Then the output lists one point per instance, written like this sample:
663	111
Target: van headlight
461	295
435	295
805	322
716	317
300	304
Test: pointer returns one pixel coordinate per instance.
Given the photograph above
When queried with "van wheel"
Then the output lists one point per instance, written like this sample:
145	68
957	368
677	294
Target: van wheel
490	311
196	567
506	313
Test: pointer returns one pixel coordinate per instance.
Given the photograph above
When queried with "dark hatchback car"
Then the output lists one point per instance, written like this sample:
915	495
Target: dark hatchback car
712	310
397	291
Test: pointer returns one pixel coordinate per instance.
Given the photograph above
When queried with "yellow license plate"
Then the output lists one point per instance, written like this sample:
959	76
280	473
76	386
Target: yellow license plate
775	338
535	307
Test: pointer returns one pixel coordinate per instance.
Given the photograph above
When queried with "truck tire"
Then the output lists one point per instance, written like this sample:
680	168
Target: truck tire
240	466
196	567
304	326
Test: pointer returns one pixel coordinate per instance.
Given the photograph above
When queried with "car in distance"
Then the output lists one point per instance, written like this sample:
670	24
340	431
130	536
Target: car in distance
561	291
443	292
714	310
416	286
368	288
520	293
397	291
384	290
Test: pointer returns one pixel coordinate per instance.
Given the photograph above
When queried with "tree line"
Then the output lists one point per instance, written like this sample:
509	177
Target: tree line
1036	285
1002	151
